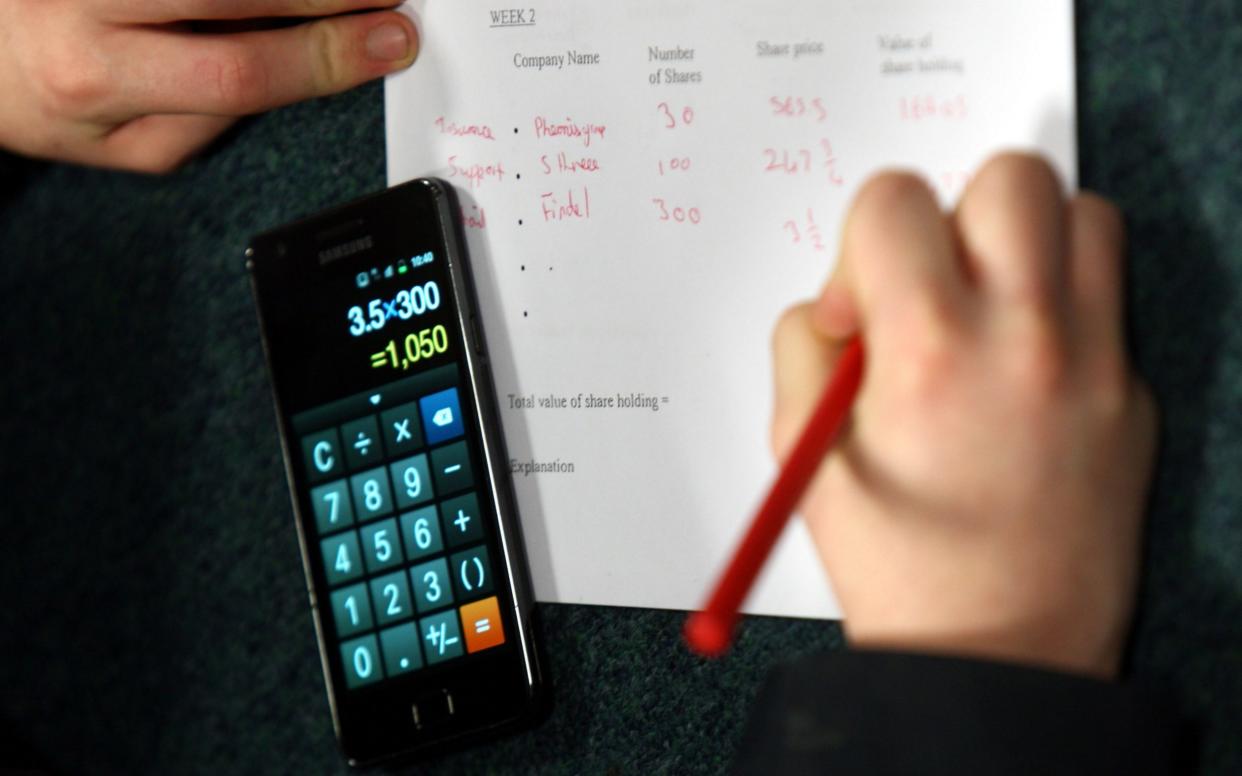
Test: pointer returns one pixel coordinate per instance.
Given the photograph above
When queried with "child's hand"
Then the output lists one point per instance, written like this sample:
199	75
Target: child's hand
988	496
134	84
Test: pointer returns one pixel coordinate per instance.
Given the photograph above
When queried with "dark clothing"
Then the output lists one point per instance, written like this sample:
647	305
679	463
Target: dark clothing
882	713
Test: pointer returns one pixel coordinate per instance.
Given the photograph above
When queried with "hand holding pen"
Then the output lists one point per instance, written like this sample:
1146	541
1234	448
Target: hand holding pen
985	496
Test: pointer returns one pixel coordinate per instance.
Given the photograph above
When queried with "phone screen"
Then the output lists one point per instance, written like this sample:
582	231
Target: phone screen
397	470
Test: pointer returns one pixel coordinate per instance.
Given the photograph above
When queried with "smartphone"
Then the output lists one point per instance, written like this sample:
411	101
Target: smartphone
400	481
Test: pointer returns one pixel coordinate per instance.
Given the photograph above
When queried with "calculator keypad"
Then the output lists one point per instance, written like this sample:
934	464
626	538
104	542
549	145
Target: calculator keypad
401	539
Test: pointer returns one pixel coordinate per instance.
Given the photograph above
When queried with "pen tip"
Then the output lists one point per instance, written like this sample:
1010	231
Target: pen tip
708	634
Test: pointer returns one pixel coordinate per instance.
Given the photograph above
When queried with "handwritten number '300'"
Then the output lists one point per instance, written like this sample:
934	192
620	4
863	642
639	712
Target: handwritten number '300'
679	215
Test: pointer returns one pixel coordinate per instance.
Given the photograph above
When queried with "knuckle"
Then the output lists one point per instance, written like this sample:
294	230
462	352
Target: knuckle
1112	391
790	321
1039	364
324	46
72	84
884	194
1016	174
923	368
239	79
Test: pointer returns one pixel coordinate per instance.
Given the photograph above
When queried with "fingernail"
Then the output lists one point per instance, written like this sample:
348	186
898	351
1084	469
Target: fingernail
388	43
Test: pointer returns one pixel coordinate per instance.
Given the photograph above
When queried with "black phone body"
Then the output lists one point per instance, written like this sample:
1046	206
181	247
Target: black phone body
396	462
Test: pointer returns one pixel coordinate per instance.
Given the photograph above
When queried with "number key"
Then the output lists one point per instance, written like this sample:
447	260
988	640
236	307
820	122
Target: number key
332	507
351	609
392	598
432	588
341	558
361	658
381	545
371	495
420	530
412	482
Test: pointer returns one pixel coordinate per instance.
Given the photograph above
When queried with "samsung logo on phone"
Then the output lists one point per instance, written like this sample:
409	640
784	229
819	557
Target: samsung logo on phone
346	249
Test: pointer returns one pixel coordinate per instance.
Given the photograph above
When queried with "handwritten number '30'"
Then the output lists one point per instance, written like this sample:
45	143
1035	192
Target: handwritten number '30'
670	120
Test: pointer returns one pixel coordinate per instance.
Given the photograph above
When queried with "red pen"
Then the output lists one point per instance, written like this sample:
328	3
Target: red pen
708	632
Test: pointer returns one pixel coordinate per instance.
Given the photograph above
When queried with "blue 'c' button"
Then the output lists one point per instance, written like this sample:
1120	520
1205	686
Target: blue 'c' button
441	416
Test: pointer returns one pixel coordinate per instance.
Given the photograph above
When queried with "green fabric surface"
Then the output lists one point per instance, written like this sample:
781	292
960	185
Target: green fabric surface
154	616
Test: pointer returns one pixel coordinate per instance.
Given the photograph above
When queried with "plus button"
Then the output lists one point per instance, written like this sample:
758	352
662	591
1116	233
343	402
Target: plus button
462	521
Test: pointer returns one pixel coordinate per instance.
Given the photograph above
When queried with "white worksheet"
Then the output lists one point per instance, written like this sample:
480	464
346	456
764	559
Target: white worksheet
646	185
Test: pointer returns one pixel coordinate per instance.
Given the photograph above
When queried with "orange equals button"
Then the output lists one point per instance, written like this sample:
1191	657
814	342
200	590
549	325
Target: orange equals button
480	623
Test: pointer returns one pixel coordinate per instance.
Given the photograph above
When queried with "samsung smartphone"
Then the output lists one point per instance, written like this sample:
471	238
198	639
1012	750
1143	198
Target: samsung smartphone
401	486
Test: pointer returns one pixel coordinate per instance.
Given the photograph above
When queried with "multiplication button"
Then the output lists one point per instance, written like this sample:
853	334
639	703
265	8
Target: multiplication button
401	429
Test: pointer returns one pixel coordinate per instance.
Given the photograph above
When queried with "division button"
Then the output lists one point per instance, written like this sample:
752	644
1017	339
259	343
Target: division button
362	442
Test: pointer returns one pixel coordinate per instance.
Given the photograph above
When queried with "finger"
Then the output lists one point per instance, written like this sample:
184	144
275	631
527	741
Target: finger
803	363
167	11
250	72
158	144
900	270
1097	244
1010	222
835	313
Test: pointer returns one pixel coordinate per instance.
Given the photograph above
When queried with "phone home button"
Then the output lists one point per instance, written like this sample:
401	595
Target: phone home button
432	709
